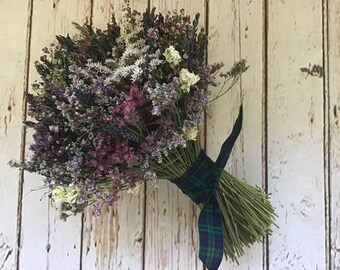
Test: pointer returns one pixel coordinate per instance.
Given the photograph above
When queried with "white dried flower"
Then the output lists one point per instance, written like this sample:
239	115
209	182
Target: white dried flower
190	133
154	63
65	194
187	79
136	72
172	56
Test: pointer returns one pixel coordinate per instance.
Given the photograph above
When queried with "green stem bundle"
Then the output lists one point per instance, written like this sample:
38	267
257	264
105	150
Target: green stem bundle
246	211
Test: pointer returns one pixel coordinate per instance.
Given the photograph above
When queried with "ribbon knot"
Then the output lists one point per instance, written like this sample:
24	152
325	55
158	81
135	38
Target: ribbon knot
200	182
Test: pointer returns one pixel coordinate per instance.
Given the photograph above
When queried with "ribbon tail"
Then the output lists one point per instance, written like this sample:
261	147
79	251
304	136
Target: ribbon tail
229	143
200	183
210	230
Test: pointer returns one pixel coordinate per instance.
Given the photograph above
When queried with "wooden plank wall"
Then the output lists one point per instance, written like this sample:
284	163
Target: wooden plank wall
289	145
13	51
295	135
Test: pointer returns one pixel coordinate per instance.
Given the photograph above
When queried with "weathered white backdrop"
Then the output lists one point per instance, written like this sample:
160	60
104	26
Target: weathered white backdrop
290	143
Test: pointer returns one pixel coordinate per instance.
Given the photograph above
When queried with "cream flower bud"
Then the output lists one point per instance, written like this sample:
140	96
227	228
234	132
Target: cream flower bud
187	79
190	134
65	194
172	56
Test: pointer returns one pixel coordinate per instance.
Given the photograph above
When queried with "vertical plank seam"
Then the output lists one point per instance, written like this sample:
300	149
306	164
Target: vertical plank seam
91	12
265	120
81	244
144	204
48	246
144	228
241	88
240	49
206	25
23	131
326	134
149	5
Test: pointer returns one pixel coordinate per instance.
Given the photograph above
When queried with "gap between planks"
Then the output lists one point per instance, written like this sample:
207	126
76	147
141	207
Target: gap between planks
23	129
326	135
265	172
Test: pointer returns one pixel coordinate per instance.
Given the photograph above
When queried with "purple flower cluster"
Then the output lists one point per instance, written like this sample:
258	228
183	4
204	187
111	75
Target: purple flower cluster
112	102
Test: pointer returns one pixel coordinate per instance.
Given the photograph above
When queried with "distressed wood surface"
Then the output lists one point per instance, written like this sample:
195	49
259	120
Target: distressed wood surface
103	10
224	46
333	79
295	135
12	78
115	240
171	218
234	37
251	161
59	242
290	137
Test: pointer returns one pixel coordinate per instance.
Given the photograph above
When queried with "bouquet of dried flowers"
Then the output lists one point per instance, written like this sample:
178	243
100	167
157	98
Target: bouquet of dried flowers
121	107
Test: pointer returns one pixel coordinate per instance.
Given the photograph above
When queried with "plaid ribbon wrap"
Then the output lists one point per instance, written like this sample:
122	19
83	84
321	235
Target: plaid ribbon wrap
200	182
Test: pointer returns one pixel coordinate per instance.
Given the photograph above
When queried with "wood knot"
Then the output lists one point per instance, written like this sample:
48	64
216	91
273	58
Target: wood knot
315	70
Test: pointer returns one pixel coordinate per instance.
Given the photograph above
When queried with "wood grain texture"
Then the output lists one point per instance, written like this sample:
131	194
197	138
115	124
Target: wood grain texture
103	10
58	246
333	78
237	33
158	229
171	217
251	163
171	230
116	239
191	7
295	135
224	46
12	78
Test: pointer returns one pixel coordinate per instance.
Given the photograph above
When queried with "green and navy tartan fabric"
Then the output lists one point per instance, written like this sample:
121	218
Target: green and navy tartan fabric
199	182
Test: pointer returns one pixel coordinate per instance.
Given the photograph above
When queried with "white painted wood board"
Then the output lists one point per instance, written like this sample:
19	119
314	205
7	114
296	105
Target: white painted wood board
234	34
12	83
295	135
171	217
289	141
332	28
115	240
48	242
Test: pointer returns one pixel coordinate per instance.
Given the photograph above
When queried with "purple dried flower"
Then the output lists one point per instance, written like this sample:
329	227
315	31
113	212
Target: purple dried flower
110	108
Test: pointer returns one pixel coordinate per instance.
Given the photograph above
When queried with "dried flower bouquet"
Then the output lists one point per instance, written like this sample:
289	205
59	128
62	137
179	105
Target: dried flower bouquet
121	107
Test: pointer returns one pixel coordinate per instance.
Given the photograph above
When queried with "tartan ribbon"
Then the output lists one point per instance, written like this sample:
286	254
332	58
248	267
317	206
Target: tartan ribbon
200	182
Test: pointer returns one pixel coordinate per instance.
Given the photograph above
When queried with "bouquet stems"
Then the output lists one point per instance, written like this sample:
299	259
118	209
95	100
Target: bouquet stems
246	211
